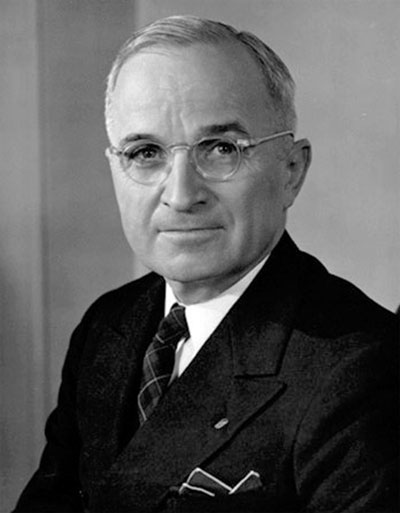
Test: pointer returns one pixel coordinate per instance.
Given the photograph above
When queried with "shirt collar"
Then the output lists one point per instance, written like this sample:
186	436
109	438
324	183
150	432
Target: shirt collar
203	318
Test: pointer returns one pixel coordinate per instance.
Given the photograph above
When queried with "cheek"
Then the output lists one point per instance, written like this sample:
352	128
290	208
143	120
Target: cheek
261	202
132	207
258	215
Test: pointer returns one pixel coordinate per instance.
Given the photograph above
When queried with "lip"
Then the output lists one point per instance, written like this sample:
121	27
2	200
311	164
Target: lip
190	233
189	229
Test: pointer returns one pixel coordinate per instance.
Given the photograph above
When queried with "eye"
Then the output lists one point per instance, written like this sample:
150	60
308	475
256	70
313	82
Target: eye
144	154
217	149
222	148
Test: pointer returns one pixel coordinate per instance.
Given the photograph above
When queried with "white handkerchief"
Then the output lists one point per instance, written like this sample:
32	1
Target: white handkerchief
200	481
250	482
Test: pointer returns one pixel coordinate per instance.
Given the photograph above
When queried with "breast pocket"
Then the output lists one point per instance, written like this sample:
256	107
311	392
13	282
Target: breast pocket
245	502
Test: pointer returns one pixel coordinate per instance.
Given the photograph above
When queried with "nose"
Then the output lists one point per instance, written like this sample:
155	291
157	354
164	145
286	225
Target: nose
183	187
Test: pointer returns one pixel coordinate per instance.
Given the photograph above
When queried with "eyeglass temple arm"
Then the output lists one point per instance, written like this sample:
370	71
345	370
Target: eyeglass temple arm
247	143
113	150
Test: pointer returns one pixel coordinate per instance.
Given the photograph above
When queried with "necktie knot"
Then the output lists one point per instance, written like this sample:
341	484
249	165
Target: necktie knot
173	327
159	360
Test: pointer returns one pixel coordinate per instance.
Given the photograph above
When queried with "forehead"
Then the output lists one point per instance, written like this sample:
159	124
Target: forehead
182	87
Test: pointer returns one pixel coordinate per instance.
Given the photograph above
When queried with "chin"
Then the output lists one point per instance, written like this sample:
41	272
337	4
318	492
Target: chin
188	275
192	271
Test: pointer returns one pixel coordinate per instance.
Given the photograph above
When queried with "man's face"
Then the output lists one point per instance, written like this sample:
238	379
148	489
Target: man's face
200	235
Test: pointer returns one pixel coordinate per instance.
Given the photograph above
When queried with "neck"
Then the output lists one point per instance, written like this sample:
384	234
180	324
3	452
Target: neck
198	292
190	293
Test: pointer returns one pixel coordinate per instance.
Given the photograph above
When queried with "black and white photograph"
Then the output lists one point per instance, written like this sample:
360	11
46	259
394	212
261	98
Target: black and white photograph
199	256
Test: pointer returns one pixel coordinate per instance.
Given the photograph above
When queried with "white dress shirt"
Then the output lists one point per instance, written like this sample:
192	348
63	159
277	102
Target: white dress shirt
203	318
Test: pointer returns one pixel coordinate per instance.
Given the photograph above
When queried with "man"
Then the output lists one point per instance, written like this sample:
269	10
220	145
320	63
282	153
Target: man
272	384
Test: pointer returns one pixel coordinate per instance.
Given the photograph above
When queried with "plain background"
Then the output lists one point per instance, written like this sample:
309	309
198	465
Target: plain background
61	244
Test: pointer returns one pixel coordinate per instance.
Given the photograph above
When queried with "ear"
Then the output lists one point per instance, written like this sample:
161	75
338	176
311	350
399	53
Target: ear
297	163
113	161
110	157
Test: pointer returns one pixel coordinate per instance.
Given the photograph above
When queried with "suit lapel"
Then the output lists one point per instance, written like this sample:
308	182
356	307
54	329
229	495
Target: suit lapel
110	370
233	376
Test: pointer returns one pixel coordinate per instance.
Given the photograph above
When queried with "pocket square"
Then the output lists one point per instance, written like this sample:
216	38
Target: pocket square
202	482
250	482
187	489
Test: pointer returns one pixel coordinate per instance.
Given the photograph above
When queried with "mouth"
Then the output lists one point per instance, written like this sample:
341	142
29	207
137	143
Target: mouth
195	233
190	229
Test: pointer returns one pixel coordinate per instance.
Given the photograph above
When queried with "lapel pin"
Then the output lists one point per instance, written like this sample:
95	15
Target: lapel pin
221	423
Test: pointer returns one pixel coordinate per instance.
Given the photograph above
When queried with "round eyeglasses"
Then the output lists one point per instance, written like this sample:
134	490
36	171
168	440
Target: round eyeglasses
215	158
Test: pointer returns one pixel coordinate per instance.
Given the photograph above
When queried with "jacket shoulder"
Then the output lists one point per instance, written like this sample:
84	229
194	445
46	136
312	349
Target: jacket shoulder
110	308
334	305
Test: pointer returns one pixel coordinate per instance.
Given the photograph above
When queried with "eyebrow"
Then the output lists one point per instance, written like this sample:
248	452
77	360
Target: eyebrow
214	129
137	137
223	128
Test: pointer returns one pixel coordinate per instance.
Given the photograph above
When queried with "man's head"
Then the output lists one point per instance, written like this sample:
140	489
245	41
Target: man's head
175	83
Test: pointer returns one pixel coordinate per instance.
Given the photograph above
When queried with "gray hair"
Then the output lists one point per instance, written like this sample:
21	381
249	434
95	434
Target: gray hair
186	30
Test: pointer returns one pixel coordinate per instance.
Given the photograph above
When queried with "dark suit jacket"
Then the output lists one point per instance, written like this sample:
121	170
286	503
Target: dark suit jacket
304	367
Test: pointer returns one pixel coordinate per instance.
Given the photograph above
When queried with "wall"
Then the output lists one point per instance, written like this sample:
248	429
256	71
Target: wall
61	241
21	290
84	251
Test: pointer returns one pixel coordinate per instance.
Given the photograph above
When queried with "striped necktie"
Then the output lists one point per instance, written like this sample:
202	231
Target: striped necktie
159	360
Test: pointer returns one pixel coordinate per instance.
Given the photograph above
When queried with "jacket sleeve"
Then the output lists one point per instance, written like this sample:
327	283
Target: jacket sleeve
55	486
346	452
